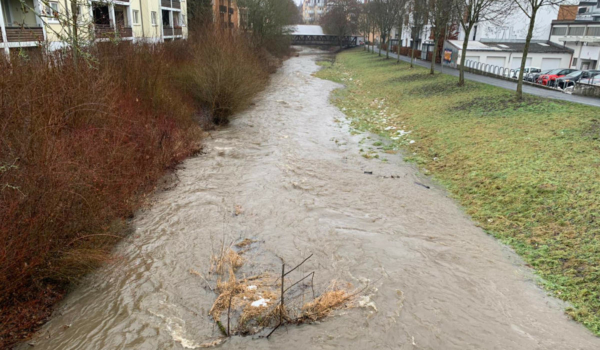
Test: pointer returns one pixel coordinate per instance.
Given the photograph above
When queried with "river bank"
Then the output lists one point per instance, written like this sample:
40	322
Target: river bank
83	144
288	173
526	171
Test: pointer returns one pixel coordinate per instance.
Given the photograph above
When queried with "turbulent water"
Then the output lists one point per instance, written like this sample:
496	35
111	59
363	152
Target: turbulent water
295	174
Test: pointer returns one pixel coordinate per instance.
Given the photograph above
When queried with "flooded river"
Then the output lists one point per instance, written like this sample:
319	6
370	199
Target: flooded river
295	175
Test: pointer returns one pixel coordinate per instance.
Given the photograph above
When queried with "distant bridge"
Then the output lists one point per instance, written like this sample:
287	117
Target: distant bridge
313	35
324	39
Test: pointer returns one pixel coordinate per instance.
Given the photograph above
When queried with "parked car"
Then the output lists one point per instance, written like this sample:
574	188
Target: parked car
532	77
577	76
590	77
549	79
528	70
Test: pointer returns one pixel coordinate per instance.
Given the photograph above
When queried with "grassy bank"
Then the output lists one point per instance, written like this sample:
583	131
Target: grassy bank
81	145
528	172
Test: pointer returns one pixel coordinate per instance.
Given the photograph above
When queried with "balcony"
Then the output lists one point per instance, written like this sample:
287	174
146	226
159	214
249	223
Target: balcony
168	31
103	31
24	34
178	31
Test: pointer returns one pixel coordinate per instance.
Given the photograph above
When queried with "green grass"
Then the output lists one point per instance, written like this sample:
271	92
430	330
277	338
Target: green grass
527	172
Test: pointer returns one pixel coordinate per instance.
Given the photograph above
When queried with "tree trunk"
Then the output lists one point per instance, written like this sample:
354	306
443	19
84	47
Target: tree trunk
399	41
75	33
463	56
387	48
412	54
379	45
434	54
525	52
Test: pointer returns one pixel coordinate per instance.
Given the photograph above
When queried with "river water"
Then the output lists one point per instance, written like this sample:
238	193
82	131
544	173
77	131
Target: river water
295	175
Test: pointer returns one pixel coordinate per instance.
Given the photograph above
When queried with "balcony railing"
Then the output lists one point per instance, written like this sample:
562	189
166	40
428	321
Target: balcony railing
168	31
107	31
178	31
24	34
126	32
176	4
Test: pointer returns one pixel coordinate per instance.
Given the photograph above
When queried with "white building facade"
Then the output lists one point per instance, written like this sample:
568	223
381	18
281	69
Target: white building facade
582	35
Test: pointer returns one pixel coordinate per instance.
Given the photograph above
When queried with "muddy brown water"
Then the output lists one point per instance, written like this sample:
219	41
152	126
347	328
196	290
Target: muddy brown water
295	170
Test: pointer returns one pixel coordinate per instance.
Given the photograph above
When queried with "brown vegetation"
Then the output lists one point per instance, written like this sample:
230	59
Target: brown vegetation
260	304
81	145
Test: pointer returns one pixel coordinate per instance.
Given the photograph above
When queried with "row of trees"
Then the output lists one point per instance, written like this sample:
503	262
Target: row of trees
347	17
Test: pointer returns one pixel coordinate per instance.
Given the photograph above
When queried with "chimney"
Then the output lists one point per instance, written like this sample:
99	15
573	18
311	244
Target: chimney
567	12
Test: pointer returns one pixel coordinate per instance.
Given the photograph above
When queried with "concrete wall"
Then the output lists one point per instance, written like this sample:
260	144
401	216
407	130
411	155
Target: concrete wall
587	90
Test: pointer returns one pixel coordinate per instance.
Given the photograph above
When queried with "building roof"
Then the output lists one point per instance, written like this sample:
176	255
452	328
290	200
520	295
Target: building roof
536	46
582	22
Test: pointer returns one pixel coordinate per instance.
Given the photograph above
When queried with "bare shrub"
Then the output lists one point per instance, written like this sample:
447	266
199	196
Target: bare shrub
232	78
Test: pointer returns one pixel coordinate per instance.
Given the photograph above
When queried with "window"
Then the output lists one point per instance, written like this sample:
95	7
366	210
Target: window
51	12
166	18
593	31
574	62
559	30
136	16
153	17
576	30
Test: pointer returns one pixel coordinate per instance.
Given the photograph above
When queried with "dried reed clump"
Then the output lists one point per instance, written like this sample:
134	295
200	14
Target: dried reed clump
323	305
248	306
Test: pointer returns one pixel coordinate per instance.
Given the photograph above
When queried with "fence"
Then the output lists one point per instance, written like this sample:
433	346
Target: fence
406	51
489	69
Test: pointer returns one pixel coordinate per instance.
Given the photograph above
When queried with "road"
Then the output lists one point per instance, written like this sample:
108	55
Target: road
509	85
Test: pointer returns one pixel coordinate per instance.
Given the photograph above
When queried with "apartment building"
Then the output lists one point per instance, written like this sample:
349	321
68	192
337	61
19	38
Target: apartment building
580	31
227	13
313	10
38	22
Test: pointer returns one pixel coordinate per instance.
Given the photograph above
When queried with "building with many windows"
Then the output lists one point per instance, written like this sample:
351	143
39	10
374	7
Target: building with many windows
313	10
580	31
27	24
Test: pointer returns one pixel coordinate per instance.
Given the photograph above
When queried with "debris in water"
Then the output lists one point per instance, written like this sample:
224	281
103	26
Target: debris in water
366	302
260	302
238	210
369	172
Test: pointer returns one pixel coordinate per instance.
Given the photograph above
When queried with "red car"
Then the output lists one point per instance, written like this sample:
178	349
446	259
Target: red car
550	77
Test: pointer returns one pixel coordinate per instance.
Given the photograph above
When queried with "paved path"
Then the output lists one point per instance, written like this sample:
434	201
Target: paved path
590	101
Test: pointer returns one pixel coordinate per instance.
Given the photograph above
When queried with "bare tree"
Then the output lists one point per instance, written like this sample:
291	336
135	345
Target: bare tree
530	8
341	18
442	13
471	12
401	20
418	19
364	25
385	14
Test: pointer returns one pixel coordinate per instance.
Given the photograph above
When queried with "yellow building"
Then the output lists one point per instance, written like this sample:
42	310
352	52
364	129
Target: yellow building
38	22
313	10
226	13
